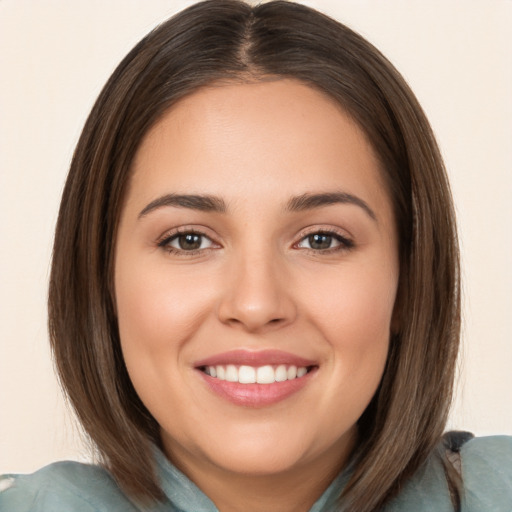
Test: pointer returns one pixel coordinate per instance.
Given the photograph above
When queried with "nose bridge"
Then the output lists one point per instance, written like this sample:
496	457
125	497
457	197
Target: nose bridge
256	294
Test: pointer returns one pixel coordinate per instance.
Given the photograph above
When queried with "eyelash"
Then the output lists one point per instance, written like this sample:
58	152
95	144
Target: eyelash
345	244
174	235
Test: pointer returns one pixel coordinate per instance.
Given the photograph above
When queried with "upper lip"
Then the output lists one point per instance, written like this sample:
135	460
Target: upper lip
255	358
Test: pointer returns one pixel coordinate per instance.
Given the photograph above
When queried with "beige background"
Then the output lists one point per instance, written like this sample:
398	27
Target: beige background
55	56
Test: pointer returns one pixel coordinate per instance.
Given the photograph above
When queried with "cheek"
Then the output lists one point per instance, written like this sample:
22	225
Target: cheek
356	309
157	311
157	314
354	315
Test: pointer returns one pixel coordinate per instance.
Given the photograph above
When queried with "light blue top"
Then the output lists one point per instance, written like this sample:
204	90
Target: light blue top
75	487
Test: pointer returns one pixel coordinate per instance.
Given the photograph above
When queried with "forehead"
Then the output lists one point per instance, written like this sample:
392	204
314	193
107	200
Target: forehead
273	137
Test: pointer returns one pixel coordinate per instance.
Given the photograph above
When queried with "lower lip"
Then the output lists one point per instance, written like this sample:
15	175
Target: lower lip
256	395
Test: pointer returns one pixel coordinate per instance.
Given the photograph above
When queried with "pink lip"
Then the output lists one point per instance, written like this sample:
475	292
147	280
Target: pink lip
256	395
255	358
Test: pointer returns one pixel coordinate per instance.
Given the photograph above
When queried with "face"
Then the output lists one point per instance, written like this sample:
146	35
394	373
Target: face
255	277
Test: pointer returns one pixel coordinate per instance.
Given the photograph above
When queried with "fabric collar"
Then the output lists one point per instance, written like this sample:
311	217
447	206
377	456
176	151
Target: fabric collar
185	496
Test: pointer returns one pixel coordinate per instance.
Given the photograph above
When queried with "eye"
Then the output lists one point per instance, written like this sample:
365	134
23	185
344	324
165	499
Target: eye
325	241
189	241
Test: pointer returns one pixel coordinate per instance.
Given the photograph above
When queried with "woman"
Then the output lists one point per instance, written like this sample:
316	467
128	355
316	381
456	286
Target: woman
254	299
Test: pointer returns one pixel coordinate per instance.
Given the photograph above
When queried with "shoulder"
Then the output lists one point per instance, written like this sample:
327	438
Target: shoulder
491	449
487	474
63	486
486	465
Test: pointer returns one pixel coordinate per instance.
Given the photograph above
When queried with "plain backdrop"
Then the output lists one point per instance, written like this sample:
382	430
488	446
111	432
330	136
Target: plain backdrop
55	56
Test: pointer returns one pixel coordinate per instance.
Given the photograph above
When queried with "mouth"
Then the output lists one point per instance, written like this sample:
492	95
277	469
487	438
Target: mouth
256	379
266	374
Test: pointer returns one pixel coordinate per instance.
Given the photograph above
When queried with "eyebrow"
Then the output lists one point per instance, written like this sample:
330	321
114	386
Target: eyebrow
312	201
203	203
208	203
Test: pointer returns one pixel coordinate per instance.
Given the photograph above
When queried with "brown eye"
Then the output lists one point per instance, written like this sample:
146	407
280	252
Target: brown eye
325	241
187	242
320	241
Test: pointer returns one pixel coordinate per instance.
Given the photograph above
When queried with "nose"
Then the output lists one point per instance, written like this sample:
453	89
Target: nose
258	295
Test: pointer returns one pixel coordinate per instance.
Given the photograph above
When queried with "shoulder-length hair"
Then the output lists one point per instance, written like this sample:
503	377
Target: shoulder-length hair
228	40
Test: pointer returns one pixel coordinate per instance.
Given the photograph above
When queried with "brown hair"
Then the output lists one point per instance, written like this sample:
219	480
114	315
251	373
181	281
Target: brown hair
230	40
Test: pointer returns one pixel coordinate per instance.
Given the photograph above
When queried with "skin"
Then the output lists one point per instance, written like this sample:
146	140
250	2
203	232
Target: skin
256	283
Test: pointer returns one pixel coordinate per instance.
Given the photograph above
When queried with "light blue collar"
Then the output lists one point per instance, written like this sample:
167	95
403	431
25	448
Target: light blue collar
185	496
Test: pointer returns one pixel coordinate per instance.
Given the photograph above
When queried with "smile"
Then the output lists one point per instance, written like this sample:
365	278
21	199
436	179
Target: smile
267	374
256	379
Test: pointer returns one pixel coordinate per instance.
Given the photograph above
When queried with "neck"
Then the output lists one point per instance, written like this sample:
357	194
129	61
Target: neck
261	494
293	490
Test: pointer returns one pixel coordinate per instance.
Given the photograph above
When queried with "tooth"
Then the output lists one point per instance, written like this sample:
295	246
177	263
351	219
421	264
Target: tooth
302	371
292	372
246	375
265	375
281	373
249	375
231	373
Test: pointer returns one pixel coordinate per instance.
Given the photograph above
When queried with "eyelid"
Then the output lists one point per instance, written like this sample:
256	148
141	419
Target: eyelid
346	240
163	240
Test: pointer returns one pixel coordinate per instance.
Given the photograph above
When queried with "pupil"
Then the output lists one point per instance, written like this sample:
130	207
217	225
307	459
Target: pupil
319	241
189	242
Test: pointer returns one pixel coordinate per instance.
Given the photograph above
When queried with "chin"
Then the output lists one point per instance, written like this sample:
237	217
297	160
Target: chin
259	462
273	450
